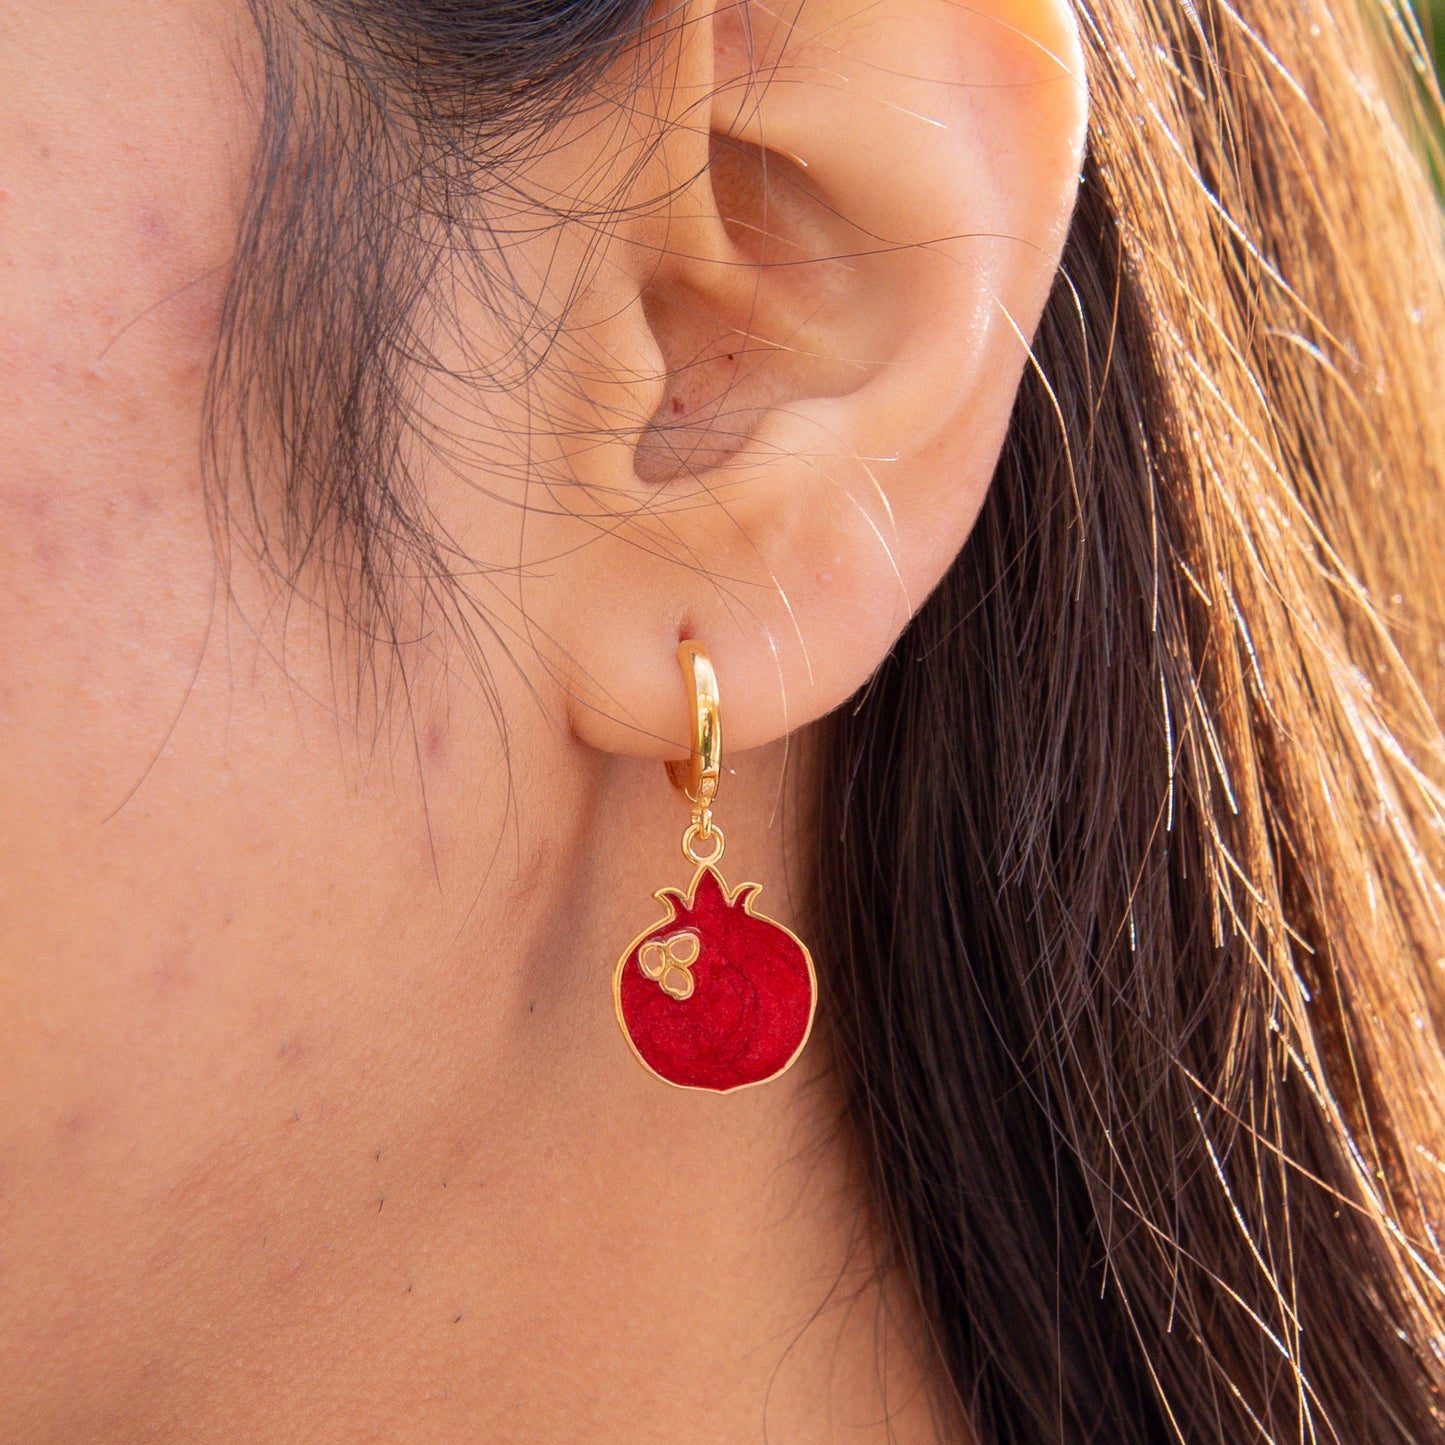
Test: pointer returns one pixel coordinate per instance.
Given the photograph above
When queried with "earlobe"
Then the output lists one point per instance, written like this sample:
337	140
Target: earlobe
834	258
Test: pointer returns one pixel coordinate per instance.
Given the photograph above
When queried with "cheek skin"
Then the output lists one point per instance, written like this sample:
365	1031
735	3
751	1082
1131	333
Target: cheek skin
214	898
114	952
115	218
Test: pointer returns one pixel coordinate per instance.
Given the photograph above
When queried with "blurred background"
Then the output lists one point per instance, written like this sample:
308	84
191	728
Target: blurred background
1432	21
1431	15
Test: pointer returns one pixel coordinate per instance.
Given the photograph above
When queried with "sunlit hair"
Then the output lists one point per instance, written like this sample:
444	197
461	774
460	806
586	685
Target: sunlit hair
1133	852
1130	857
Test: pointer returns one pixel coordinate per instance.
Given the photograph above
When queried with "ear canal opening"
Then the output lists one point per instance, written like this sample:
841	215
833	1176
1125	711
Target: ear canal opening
744	333
709	406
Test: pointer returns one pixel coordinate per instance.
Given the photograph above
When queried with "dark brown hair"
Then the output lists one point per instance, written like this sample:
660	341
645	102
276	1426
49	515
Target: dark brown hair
1130	856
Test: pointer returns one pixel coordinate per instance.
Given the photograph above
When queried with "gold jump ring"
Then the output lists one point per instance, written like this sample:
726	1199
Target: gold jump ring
690	839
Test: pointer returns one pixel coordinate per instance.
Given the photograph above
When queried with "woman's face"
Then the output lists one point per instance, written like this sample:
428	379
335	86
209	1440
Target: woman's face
300	949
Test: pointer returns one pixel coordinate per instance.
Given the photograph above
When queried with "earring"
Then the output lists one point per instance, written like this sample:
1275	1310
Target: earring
714	996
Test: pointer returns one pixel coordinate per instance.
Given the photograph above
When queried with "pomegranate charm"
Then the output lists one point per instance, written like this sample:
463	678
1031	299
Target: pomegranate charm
713	996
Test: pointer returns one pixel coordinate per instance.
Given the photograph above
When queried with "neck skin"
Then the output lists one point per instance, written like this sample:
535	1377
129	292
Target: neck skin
587	1253
403	1178
584	1252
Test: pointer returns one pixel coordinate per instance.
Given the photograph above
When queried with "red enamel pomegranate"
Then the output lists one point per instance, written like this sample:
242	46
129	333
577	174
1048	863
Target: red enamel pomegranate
715	996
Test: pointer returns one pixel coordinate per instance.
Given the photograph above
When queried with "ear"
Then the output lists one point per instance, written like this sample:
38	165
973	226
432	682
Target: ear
793	367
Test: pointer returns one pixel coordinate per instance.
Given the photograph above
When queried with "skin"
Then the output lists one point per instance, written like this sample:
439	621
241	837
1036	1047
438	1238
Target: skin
315	1121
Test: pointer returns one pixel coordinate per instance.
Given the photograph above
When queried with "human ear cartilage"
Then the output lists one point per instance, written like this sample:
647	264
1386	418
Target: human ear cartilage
714	996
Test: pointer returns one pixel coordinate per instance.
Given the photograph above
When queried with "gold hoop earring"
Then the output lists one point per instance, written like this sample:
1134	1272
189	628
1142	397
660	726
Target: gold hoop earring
715	996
